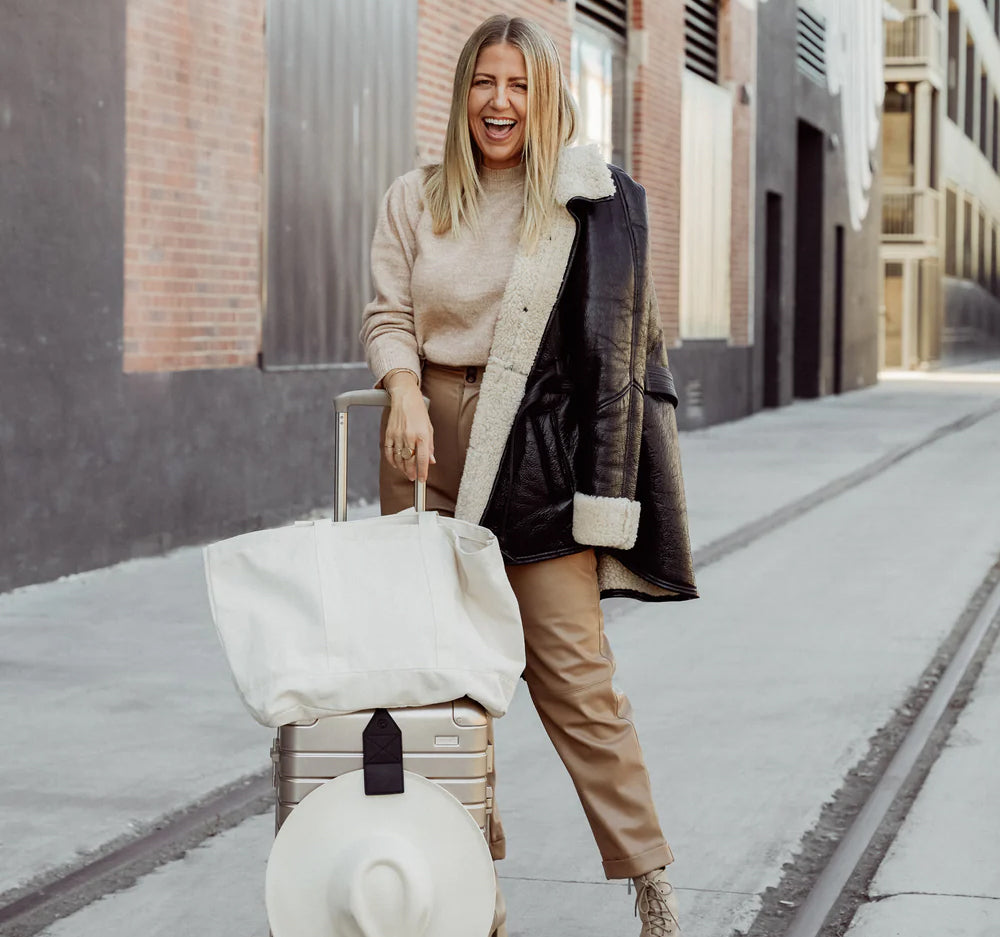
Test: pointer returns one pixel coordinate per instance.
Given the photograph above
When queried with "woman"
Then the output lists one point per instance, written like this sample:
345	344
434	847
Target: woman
512	288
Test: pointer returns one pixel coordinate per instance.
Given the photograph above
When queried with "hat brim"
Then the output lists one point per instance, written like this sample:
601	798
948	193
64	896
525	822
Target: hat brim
315	843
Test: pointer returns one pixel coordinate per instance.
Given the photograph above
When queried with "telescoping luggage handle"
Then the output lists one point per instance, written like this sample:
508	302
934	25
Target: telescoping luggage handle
341	404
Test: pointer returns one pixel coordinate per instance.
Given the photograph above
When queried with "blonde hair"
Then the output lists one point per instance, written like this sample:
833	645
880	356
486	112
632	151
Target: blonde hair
452	187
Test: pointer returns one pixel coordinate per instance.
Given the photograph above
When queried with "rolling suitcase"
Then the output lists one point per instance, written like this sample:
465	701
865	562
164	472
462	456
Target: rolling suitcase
449	743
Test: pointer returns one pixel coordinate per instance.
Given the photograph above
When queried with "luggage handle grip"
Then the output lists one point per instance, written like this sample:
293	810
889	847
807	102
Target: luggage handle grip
342	403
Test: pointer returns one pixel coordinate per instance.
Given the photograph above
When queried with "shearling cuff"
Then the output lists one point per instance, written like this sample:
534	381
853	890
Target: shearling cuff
605	522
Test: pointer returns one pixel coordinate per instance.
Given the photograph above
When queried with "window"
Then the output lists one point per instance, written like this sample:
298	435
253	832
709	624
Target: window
701	38
981	265
970	89
984	101
340	127
935	136
993	259
598	78
611	15
810	43
950	233
994	157
967	240
954	35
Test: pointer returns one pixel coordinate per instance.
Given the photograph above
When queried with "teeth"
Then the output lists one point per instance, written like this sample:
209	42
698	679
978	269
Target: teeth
499	123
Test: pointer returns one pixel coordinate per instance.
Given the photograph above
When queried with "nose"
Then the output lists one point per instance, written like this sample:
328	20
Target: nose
500	96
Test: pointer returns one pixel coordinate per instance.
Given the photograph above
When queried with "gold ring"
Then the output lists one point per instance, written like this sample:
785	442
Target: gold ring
406	452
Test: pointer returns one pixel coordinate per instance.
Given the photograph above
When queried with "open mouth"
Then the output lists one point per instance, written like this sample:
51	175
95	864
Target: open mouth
499	129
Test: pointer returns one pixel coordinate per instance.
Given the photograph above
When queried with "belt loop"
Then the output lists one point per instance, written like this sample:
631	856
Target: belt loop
470	375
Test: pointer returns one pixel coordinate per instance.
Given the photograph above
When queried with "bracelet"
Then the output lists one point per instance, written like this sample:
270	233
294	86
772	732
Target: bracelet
396	371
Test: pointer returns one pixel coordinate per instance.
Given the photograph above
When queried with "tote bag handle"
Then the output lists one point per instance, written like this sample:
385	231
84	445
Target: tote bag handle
342	403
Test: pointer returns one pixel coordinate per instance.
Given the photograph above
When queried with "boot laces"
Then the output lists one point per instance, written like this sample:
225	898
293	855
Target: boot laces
651	904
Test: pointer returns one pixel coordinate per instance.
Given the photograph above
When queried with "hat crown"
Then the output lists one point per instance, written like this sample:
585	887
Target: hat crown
345	864
380	886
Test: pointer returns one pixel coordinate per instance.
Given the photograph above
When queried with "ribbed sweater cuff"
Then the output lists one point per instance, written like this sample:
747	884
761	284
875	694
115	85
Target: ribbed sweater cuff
391	355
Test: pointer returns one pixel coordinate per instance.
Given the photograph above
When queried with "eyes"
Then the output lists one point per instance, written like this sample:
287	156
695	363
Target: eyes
521	86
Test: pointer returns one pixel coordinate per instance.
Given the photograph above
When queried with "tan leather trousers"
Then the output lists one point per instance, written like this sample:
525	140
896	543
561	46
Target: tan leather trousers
569	663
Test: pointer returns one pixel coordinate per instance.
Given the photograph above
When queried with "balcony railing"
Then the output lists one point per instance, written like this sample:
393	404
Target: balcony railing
910	214
916	40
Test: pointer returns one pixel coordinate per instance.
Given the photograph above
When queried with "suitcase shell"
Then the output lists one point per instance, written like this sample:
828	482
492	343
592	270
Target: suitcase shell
450	743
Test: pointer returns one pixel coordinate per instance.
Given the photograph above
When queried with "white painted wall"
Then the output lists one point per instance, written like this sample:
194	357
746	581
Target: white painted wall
706	208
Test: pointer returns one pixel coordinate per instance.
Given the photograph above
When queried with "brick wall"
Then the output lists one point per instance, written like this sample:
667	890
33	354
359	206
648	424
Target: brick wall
443	27
195	102
738	66
193	196
656	143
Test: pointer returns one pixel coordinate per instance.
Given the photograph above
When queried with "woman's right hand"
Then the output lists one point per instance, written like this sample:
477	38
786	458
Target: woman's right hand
408	427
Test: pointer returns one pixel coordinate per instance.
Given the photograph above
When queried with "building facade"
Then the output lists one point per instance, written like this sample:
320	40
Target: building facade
941	157
819	106
711	338
912	208
189	189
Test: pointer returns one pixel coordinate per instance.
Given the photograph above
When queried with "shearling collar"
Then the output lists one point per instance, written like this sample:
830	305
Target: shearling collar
582	173
528	301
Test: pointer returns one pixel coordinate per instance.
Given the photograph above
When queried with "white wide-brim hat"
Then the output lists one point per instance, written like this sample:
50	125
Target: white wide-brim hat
348	865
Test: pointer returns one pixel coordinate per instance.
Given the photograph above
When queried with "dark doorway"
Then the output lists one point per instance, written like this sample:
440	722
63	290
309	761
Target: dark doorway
772	301
808	261
838	313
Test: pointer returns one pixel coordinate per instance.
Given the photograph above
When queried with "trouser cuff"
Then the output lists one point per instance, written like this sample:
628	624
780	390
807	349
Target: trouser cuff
638	865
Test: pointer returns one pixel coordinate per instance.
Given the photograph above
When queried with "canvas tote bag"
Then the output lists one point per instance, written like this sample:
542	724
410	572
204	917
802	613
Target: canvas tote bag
319	618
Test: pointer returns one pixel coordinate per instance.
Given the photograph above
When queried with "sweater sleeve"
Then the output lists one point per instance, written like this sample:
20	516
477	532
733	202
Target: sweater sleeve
387	327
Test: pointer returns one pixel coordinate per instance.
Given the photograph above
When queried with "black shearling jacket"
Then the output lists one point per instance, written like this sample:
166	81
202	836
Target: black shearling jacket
574	441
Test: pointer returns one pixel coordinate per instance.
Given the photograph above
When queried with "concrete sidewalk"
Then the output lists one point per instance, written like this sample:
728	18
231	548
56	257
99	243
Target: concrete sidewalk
941	876
118	707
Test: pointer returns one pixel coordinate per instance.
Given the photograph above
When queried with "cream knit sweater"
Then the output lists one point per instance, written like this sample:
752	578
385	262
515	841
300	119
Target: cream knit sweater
438	297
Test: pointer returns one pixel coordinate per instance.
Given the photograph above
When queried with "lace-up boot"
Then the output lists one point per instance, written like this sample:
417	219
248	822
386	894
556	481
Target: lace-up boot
656	905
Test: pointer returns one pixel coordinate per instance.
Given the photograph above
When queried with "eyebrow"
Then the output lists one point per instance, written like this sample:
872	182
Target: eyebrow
488	75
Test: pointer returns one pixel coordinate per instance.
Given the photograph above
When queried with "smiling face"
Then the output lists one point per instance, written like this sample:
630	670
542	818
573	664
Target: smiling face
498	105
